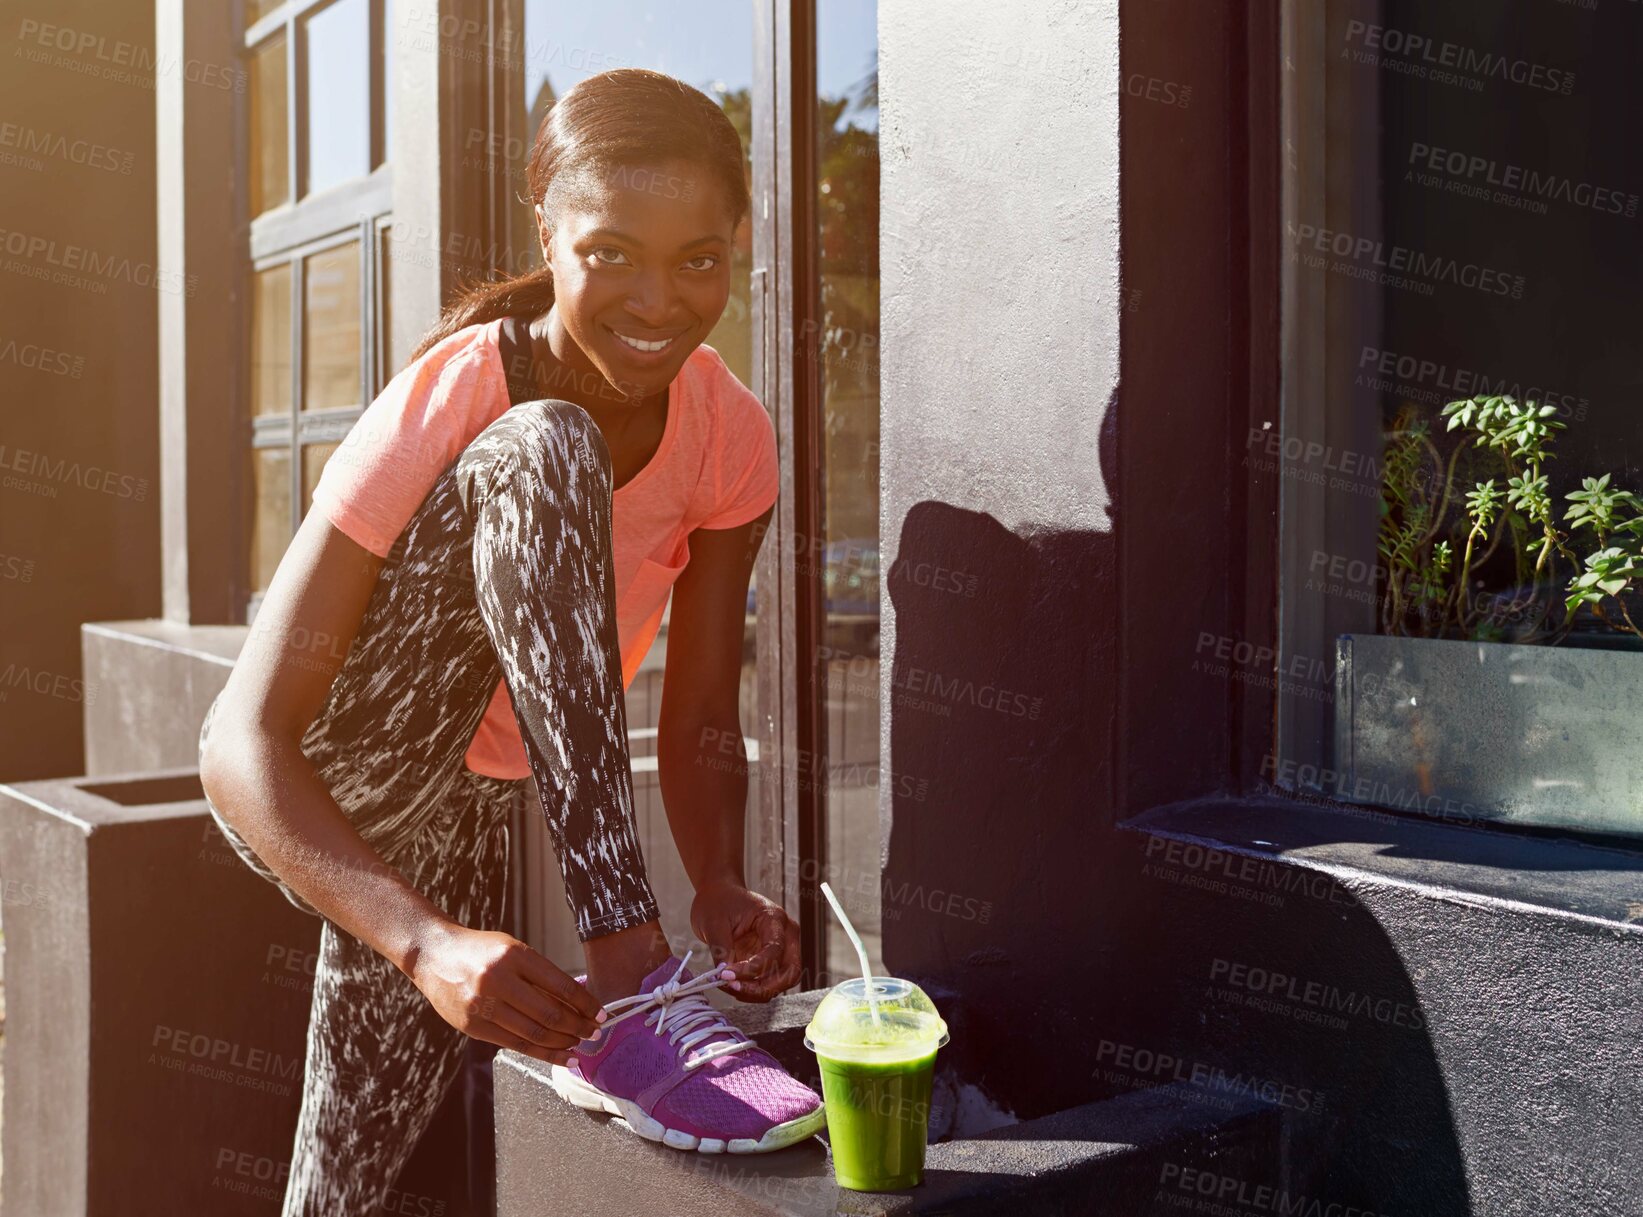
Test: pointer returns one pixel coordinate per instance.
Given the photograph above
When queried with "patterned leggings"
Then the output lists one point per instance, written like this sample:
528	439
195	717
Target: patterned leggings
504	572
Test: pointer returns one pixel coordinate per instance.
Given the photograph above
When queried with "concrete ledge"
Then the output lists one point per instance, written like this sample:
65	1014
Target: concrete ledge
1119	1157
1594	887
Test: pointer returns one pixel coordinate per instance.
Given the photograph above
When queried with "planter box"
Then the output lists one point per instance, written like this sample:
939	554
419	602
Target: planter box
157	996
1490	731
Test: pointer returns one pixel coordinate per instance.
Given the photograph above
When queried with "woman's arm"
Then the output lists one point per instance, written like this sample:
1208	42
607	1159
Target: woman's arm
257	776
702	761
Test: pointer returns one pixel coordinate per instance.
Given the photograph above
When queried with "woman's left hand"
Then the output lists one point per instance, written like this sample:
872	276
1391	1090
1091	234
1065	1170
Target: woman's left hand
752	934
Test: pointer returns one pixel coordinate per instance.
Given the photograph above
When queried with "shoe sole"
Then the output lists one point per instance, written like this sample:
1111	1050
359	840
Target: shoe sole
574	1089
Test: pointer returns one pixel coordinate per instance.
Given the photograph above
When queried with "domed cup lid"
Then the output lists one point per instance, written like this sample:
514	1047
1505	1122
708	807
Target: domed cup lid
908	1026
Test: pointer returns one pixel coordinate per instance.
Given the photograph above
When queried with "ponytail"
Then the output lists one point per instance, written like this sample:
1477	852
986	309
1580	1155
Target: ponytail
530	293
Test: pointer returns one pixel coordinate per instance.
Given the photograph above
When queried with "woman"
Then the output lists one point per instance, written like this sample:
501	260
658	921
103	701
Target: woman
463	610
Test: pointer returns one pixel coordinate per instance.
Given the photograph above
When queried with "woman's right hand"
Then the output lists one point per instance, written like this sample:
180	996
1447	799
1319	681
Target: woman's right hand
495	988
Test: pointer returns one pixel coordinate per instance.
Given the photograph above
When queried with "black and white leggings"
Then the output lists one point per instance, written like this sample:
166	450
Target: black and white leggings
506	571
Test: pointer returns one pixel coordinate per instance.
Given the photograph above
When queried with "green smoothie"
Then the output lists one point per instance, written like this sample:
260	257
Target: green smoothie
878	1119
876	1069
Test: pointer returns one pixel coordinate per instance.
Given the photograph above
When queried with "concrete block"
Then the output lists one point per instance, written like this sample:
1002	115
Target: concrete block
1117	1158
157	996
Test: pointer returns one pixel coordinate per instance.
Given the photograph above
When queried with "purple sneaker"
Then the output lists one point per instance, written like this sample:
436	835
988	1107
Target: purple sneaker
685	1076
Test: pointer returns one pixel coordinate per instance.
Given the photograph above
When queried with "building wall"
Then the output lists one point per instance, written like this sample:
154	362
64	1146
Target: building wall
1001	313
79	508
1079	236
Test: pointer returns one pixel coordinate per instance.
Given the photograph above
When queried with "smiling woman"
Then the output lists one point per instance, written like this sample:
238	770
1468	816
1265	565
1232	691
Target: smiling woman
490	550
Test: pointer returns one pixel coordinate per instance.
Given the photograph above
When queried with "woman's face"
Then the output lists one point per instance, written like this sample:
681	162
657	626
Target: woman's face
641	274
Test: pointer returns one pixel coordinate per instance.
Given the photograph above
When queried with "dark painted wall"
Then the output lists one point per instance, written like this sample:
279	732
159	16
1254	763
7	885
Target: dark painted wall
79	448
1493	1044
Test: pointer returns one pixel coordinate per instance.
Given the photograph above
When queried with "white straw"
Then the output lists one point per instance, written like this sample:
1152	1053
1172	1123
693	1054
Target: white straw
861	951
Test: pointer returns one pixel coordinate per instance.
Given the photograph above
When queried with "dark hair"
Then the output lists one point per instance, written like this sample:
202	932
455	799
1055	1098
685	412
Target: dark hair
624	118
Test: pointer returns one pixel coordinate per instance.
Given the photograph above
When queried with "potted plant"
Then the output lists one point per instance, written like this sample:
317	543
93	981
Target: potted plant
1514	703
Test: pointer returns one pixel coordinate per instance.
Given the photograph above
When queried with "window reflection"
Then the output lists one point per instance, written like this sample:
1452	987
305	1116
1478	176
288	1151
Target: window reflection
331	329
271	513
270	148
339	93
271	340
844	351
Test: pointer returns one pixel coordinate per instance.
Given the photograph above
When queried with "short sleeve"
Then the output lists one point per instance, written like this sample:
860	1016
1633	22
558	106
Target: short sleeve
396	451
747	473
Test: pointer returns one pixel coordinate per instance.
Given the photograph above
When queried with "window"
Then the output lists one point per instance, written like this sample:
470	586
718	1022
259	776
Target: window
1460	224
319	197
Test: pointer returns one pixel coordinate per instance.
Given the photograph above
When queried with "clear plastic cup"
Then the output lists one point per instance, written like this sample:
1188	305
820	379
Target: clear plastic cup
876	1078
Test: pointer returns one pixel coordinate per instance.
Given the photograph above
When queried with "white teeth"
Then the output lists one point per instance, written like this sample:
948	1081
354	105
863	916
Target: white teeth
639	345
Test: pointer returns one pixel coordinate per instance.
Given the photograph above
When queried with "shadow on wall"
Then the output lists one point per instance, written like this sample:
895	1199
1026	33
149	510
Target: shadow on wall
1002	706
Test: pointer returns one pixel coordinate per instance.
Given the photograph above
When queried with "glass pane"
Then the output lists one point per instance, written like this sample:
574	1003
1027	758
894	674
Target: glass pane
270	136
339	93
314	457
271	518
1451	236
845	351
256	10
271	340
331	329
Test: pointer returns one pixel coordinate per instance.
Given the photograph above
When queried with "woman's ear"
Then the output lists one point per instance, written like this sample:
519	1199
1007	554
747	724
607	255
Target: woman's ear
544	235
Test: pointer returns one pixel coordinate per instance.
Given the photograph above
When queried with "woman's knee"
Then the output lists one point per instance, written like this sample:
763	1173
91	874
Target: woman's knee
554	438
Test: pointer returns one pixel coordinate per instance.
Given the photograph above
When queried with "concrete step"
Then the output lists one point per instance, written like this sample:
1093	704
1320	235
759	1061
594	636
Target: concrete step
1162	1150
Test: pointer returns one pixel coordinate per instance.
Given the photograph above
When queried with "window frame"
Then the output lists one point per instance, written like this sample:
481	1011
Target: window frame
358	210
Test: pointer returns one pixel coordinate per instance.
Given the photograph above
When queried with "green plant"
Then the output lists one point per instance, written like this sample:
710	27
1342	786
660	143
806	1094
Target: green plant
1510	503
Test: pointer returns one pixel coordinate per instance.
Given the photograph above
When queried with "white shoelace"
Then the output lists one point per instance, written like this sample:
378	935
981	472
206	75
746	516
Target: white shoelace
681	1010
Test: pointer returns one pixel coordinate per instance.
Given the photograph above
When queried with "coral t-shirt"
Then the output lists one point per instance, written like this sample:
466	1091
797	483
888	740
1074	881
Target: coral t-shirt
714	468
